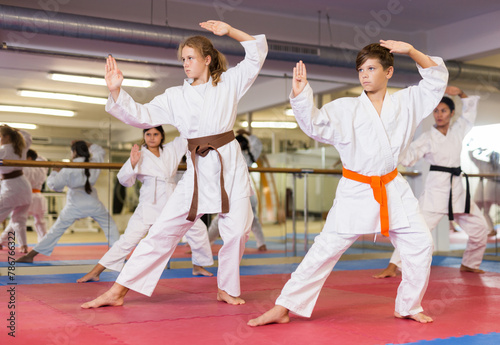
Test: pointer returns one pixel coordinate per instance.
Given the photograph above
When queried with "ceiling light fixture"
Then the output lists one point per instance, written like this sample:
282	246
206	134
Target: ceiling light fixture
35	110
20	125
271	124
63	96
95	80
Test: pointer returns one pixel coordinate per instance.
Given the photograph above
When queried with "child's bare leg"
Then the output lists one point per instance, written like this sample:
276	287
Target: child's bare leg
28	257
23	249
389	271
420	317
468	269
113	297
223	296
276	314
201	271
93	275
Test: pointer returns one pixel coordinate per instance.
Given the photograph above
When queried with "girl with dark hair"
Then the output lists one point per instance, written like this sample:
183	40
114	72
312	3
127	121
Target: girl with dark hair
155	165
15	190
444	193
81	199
204	111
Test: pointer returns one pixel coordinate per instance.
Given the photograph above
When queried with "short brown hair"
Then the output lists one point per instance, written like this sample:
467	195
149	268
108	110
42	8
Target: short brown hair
205	48
375	51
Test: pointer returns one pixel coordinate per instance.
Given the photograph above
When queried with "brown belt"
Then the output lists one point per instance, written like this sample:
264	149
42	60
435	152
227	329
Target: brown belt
36	190
202	146
15	173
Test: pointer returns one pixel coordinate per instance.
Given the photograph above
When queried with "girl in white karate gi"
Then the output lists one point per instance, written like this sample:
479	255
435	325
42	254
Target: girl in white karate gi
36	177
155	165
371	133
15	190
203	110
488	162
441	147
81	200
251	147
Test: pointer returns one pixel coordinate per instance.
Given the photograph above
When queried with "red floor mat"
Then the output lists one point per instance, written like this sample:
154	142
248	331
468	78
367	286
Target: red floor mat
353	308
95	252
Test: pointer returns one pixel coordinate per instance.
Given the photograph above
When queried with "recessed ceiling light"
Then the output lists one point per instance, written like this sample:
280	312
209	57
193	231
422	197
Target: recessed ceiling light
63	96
35	110
95	80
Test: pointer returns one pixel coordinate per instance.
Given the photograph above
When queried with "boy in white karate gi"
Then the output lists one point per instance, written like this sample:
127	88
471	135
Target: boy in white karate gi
204	111
444	193
371	133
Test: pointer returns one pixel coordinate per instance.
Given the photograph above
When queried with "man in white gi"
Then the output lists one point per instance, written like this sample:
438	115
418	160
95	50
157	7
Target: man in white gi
371	133
444	193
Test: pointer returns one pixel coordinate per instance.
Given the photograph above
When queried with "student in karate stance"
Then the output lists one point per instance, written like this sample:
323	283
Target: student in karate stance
488	162
204	110
441	147
155	165
81	200
36	177
15	190
371	132
251	147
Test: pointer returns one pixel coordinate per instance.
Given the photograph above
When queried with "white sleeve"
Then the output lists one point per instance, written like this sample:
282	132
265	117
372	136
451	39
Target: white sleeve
127	176
155	113
57	180
416	150
469	112
255	146
244	74
97	153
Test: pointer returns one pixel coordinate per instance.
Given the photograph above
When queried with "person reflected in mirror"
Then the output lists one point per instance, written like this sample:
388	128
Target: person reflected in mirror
81	199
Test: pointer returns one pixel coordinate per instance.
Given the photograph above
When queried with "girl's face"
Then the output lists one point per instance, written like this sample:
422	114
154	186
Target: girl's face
443	115
153	138
195	66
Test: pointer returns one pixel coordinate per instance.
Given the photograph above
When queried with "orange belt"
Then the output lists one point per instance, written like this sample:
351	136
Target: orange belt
36	190
202	146
378	185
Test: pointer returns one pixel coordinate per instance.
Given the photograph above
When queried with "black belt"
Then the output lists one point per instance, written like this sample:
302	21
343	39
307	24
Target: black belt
454	172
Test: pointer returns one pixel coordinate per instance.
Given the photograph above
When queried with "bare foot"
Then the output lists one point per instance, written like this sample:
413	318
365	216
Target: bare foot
113	297
262	248
276	314
223	296
471	270
89	277
388	272
28	258
201	271
93	275
23	249
420	317
493	232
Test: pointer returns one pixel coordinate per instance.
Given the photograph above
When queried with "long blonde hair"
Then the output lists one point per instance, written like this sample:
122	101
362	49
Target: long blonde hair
16	138
205	48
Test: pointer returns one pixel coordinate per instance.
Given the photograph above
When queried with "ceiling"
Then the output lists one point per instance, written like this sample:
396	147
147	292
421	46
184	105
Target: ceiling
457	30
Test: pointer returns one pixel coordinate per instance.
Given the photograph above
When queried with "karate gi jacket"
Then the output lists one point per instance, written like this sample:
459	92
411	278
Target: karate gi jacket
197	116
157	175
371	145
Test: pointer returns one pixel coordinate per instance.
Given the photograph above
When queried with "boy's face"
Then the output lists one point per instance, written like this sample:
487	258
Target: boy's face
372	75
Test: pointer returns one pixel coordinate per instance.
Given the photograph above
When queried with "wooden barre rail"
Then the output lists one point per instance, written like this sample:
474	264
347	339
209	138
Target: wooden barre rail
117	166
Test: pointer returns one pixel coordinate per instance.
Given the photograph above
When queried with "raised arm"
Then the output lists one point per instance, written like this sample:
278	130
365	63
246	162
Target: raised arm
299	81
223	29
404	48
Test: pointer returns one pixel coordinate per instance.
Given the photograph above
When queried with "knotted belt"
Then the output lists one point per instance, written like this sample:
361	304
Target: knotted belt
378	185
202	146
15	173
454	172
